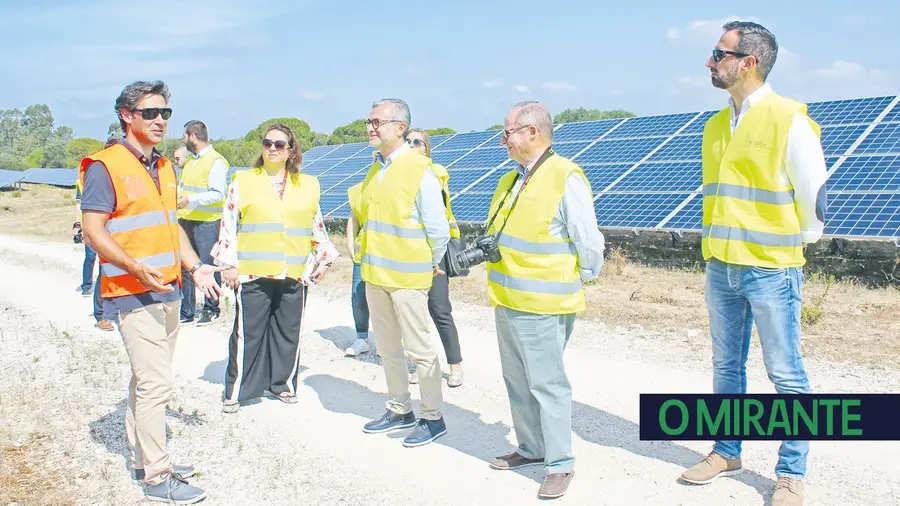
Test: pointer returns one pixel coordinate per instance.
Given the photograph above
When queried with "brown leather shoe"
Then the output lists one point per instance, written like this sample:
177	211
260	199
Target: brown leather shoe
712	467
105	325
514	461
788	492
555	485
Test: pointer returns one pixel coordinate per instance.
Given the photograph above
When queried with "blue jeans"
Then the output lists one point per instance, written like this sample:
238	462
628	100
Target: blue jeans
203	236
540	395
99	313
87	268
359	303
736	296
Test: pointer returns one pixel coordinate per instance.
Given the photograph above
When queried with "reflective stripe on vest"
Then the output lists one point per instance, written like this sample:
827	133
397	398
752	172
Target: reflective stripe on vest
156	261
538	271
130	223
394	251
749	216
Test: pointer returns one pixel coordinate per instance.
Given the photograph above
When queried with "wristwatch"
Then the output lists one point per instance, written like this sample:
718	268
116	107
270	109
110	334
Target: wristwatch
195	267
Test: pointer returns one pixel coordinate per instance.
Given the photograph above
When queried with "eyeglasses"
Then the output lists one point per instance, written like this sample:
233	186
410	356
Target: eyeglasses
279	145
719	54
152	112
376	123
509	131
416	143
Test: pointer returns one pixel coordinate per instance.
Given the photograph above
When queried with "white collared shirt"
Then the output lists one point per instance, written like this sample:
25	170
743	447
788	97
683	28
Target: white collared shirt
804	167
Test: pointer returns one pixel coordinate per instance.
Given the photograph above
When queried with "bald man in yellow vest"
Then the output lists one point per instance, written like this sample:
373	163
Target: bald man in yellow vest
543	221
763	200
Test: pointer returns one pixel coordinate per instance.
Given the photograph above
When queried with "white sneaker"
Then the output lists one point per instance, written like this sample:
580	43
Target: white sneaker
359	346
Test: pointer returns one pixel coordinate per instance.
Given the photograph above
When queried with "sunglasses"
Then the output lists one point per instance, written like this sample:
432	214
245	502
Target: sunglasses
720	54
152	112
416	143
279	145
376	123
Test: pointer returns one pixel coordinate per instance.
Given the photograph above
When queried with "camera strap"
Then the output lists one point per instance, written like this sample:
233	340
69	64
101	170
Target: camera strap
540	161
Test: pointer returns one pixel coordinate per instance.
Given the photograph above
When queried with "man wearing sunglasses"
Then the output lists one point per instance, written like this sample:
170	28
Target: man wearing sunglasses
404	237
200	200
543	221
128	207
763	200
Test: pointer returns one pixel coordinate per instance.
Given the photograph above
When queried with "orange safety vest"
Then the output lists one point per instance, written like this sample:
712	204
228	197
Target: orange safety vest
143	223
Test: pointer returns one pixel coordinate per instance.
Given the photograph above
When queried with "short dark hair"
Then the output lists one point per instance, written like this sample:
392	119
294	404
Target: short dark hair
134	92
198	129
758	41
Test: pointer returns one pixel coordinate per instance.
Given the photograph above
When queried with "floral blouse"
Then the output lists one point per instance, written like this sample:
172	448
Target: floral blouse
225	253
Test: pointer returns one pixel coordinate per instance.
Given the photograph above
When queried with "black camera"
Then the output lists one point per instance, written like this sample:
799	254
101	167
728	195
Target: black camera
77	237
485	248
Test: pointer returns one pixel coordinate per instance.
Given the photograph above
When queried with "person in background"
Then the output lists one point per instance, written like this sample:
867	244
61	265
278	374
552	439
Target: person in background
272	232
764	198
543	221
357	287
88	288
439	295
404	237
128	207
180	157
202	191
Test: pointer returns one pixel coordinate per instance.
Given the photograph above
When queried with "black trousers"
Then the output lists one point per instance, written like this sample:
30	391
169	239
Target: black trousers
264	349
441	312
203	236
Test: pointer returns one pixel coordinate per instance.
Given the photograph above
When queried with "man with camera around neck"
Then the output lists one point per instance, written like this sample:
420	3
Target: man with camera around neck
404	237
547	242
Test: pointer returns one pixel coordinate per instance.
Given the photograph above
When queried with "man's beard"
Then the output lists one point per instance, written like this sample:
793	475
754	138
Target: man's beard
191	147
723	81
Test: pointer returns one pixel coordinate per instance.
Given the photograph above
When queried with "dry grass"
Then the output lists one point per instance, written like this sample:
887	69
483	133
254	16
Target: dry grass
38	211
27	476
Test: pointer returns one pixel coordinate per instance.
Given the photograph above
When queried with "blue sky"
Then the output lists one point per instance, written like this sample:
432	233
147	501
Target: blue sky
458	63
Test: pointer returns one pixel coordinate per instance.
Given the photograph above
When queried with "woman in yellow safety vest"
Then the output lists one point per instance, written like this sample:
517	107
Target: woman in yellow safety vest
274	243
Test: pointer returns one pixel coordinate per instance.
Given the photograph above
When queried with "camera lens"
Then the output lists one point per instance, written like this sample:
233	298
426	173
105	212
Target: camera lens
468	258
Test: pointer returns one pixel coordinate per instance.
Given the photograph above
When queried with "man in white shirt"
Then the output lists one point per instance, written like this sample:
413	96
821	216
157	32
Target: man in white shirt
763	200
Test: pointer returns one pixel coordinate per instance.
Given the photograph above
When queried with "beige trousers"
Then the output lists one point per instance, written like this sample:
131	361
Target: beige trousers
402	326
149	334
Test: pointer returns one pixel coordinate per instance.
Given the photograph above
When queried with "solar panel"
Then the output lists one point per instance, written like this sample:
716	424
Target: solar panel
460	179
628	150
346	150
894	115
635	210
589	130
884	139
437	140
472	206
55	177
470	140
10	177
690	217
665	176
489	183
874	215
867	173
483	158
681	147
445	158
697	126
570	149
330	202
317	152
601	176
837	139
646	126
842	112
231	172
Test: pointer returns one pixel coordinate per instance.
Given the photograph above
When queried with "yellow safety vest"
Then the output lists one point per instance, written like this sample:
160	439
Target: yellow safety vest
353	195
444	177
194	180
749	216
538	272
395	252
275	234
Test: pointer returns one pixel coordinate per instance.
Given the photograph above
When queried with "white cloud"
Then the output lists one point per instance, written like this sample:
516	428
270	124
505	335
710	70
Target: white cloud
492	83
673	33
559	86
312	96
521	88
704	29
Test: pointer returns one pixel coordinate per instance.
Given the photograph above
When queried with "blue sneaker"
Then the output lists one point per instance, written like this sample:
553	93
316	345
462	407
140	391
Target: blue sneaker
174	490
390	421
183	471
425	432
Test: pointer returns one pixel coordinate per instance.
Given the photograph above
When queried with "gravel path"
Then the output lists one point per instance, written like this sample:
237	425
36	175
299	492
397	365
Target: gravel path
66	379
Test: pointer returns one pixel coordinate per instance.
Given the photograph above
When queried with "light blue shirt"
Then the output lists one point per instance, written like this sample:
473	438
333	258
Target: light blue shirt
576	220
428	208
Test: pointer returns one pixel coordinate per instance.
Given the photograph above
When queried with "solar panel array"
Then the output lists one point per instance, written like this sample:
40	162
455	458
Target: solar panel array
8	178
55	177
645	172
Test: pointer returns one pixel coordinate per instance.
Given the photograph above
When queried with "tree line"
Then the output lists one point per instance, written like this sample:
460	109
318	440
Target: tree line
29	138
